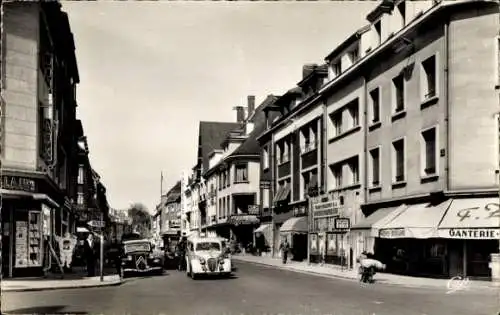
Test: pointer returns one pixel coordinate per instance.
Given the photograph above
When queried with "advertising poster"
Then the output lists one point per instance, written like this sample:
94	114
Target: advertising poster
46	220
322	243
314	244
332	244
21	244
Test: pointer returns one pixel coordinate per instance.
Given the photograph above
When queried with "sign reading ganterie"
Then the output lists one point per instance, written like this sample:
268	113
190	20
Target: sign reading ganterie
18	183
471	234
392	233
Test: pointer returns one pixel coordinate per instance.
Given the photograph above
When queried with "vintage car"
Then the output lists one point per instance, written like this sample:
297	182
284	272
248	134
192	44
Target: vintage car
207	256
138	256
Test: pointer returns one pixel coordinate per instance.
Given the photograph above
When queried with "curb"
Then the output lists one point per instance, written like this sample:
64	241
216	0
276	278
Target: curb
82	286
383	282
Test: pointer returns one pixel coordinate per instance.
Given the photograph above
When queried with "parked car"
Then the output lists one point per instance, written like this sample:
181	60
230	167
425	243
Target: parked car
207	256
139	257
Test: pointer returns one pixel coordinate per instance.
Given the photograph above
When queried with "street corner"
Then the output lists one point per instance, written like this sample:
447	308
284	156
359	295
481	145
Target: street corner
53	285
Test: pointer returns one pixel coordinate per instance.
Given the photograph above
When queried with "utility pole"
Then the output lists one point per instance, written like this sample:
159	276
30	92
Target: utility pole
101	248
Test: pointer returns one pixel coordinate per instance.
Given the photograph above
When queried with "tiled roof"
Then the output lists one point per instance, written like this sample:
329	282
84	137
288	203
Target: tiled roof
174	193
251	146
211	135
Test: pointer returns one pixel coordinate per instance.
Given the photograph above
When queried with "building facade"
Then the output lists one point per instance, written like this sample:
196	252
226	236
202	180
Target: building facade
39	77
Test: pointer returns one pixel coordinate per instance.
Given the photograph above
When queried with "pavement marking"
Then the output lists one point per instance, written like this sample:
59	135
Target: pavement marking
378	302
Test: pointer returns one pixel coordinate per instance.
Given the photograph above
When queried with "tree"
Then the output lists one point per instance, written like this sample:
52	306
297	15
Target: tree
141	219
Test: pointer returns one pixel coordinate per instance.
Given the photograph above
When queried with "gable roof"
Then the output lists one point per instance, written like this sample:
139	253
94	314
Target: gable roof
251	146
174	193
210	136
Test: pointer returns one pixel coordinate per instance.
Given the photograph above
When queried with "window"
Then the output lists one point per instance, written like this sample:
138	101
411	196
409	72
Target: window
353	109
305	139
429	152
375	105
265	158
378	32
336	119
80	174
354	55
337	68
354	170
375	167
398	85
337	174
79	198
307	180
429	78
398	160
241	174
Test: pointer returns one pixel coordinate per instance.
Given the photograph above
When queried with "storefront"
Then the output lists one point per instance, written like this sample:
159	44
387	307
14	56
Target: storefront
242	227
264	237
295	230
29	224
472	229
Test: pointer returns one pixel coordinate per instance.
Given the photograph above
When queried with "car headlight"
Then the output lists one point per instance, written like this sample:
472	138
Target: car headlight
151	256
129	257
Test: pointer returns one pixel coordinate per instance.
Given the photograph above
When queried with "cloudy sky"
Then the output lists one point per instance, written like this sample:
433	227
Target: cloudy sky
150	71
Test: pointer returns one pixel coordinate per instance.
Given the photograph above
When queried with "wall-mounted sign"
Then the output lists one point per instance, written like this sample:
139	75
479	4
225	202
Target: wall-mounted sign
254	209
18	183
471	234
392	233
325	206
265	184
342	224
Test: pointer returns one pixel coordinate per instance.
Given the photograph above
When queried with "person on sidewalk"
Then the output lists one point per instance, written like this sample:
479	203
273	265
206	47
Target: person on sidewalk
89	252
285	248
181	254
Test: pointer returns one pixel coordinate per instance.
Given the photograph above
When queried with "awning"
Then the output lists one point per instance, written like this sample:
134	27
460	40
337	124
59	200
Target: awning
295	225
243	219
471	218
378	219
417	221
283	193
263	228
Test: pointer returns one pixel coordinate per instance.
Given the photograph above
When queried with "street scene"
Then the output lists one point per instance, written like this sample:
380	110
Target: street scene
334	157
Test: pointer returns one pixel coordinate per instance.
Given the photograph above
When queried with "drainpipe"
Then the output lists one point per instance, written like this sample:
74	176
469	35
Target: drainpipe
365	140
271	189
446	102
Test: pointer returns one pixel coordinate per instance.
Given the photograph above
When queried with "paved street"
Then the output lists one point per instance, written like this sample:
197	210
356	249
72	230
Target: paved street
253	290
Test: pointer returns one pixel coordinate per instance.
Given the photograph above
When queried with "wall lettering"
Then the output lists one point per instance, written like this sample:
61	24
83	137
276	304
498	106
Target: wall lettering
491	210
18	183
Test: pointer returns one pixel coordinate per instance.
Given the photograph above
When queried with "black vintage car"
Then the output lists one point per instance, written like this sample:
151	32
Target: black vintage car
138	256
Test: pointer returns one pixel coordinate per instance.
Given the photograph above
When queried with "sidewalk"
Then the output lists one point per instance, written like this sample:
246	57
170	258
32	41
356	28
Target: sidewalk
22	285
333	271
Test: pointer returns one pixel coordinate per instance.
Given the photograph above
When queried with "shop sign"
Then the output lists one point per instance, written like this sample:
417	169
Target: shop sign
254	209
471	234
491	210
392	233
265	184
342	224
18	183
325	206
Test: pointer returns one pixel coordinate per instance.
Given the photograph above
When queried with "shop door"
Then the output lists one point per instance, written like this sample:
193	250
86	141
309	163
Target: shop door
478	257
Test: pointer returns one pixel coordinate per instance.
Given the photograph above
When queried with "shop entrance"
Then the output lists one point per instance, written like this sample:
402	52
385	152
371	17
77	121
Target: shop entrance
478	257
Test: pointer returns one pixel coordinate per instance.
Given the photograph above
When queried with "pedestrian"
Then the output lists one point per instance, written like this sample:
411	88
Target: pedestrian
118	259
284	247
181	253
89	252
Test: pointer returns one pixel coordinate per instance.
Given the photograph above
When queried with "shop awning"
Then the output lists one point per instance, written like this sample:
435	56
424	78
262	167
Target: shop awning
282	193
419	221
263	228
471	218
244	219
295	225
82	230
378	219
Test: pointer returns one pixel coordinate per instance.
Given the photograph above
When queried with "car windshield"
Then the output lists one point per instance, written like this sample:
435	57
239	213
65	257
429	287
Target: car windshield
212	246
136	247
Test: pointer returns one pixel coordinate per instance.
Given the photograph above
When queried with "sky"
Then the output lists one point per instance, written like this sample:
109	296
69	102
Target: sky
151	71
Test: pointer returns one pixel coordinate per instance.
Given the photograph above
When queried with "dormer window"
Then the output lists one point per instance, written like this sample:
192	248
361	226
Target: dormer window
354	55
337	68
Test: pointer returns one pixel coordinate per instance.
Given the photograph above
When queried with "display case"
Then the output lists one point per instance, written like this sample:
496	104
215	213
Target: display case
35	246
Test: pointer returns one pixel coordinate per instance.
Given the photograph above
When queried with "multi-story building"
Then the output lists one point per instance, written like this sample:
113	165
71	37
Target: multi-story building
189	203
37	139
293	158
170	217
156	228
233	178
396	162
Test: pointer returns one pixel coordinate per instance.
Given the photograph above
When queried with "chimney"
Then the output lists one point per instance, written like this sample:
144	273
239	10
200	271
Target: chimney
251	105
240	114
307	69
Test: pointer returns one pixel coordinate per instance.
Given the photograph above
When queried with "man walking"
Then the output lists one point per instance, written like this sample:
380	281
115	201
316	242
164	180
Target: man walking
284	247
181	253
89	253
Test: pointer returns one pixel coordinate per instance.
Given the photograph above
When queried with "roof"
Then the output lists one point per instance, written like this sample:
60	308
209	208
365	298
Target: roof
348	42
251	146
211	135
174	193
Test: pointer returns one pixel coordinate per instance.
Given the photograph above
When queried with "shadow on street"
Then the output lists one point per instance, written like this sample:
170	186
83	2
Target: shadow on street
55	309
